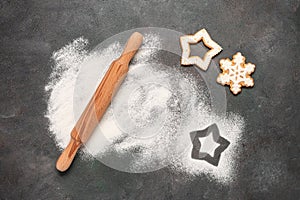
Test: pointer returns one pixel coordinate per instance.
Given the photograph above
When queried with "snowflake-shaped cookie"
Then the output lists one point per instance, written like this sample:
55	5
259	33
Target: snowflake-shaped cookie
236	73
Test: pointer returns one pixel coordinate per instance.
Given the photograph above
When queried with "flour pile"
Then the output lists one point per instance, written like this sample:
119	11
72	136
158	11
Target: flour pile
148	123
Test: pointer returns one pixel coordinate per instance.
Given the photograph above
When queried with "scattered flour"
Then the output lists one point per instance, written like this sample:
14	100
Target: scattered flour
61	88
150	117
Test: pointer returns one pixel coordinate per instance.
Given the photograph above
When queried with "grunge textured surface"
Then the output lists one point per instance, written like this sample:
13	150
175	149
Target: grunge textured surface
266	32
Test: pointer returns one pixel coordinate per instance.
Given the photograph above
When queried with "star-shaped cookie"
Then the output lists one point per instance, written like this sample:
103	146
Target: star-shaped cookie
204	62
208	144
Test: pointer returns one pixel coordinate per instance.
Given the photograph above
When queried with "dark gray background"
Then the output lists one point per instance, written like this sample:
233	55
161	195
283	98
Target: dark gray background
267	32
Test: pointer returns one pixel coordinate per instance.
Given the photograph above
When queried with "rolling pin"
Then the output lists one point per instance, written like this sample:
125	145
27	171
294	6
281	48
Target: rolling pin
99	102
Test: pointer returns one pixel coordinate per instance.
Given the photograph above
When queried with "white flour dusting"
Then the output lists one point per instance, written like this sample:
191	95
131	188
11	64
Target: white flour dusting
61	88
156	107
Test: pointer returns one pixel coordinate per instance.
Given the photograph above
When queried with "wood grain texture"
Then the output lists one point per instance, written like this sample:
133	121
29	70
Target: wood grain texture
99	102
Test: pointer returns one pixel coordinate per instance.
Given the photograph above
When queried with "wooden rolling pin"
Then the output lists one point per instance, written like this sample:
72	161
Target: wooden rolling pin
98	104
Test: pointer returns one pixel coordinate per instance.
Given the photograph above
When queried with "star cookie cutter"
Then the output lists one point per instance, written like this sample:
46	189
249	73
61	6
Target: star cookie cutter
201	35
197	152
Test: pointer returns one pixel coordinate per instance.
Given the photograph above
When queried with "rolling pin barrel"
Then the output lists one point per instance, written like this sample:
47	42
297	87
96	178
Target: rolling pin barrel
99	102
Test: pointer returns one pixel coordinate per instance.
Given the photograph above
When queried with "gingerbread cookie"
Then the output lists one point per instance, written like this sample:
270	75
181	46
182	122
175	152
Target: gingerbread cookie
201	35
236	73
